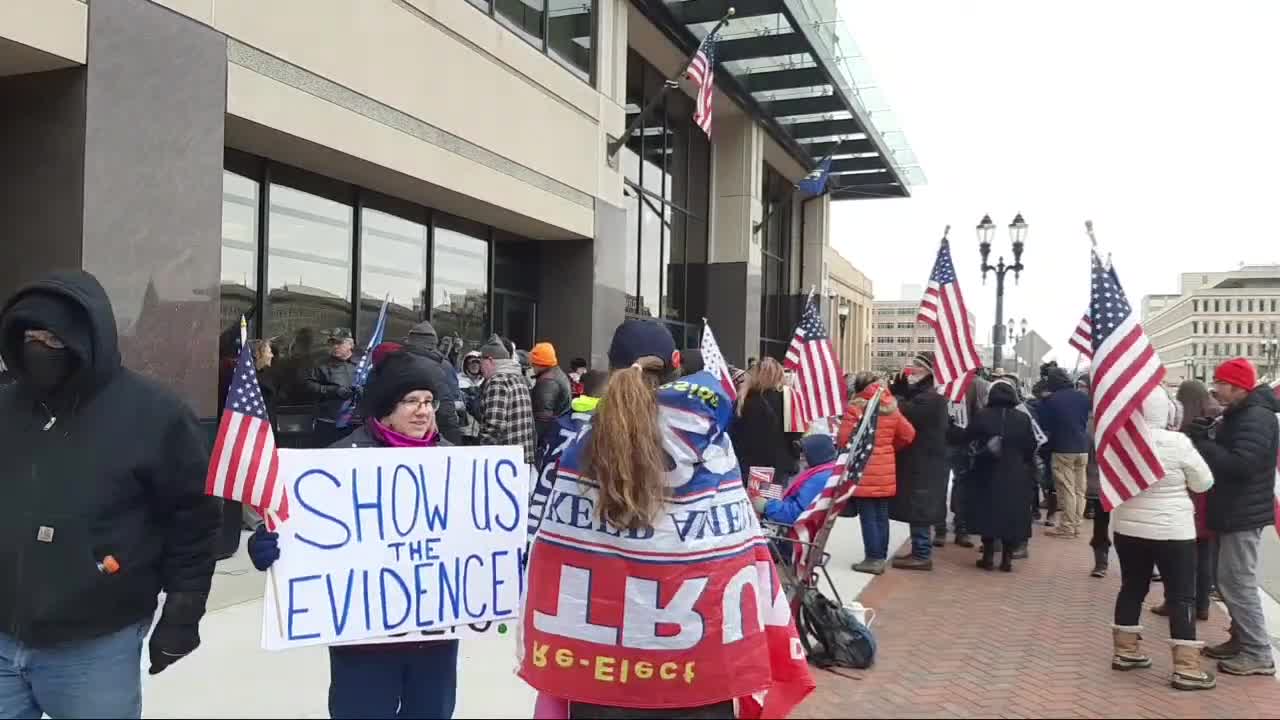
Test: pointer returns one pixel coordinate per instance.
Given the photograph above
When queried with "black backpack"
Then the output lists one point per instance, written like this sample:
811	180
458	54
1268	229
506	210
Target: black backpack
831	635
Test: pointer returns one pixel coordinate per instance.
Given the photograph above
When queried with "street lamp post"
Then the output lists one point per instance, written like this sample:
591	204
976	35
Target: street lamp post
1015	337
1018	234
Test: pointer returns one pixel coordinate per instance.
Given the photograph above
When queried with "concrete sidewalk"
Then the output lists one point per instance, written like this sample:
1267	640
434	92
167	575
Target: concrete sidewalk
961	642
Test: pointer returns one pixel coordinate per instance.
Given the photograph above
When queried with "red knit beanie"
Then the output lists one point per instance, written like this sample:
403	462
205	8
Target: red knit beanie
383	350
1238	372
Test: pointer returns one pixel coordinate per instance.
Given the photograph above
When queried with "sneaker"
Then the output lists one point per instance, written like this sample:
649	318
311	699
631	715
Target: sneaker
1061	532
870	567
1247	666
1225	651
913	563
939	539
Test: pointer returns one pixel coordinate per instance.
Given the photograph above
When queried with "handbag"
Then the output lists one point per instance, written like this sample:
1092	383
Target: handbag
992	447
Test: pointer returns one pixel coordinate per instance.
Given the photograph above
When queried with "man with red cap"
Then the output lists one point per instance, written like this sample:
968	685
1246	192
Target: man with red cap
1241	451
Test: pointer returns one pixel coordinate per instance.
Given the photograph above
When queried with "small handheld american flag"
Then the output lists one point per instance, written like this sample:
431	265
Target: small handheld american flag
243	466
714	363
365	366
943	309
1082	338
819	388
702	70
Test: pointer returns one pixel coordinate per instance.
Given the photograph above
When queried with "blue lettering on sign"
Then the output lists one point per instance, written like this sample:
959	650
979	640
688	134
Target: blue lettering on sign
295	611
437	515
368	610
451	589
493	559
466	587
420	589
400	472
511	496
482	521
415	551
302	502
396	547
404	590
375	506
340	622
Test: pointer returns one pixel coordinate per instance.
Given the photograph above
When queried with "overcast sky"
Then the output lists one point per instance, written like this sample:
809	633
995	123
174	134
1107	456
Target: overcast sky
1158	120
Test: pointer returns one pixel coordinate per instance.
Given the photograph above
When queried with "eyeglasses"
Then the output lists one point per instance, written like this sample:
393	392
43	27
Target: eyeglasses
418	404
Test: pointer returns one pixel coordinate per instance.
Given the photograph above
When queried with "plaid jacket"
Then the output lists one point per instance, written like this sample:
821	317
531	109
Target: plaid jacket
507	412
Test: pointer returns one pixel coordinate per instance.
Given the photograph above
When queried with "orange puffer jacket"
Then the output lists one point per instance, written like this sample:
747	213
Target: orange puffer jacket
893	433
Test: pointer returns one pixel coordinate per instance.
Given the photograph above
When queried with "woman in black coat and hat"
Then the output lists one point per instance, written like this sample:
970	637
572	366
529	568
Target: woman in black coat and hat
923	470
1002	482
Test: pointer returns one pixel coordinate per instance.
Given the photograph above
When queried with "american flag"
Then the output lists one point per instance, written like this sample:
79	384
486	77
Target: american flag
819	384
1082	338
1126	370
713	361
702	70
826	505
365	366
244	465
943	309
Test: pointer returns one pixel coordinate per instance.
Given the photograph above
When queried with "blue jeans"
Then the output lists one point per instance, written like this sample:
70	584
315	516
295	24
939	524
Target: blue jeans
101	677
874	514
921	541
412	680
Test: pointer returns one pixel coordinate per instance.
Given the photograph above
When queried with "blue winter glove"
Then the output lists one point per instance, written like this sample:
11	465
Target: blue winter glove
264	548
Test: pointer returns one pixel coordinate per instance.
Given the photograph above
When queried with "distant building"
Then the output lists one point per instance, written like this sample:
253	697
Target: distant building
896	336
848	311
1217	316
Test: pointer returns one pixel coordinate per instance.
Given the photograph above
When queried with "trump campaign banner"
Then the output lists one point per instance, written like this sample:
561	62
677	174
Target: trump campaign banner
397	544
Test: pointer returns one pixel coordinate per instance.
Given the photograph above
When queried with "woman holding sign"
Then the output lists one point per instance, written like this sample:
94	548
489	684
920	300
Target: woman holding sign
392	680
651	592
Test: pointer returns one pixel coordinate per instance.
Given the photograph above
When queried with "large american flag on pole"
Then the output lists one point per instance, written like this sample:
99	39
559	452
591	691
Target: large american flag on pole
702	70
943	309
713	361
364	367
827	504
1082	338
243	466
819	383
1126	370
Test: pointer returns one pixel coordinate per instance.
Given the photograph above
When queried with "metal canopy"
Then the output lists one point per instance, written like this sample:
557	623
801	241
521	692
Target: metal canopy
790	68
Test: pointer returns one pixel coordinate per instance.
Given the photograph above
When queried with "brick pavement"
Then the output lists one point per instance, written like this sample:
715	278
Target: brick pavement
960	642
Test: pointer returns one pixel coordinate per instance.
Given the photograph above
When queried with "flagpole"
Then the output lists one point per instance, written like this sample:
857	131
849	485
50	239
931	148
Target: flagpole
616	144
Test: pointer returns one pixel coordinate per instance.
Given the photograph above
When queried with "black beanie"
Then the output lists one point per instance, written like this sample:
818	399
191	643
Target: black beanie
399	374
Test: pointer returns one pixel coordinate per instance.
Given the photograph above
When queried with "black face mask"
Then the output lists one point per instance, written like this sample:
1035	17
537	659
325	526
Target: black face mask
47	368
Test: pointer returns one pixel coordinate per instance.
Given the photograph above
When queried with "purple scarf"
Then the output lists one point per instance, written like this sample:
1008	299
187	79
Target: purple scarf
387	437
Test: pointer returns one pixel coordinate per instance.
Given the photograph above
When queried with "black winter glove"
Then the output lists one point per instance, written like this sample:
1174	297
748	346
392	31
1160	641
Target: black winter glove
178	632
1200	427
264	548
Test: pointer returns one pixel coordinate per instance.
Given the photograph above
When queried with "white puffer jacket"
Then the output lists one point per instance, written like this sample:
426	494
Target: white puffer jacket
1164	510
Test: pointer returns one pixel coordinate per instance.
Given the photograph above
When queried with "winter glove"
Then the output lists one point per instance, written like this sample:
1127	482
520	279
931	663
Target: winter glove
264	548
1199	428
344	392
178	632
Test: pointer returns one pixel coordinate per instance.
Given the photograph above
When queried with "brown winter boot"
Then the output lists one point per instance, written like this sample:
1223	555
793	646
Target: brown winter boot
1128	652
1187	674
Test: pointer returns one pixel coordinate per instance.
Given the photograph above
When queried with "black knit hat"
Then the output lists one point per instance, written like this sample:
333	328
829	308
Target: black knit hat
399	374
635	339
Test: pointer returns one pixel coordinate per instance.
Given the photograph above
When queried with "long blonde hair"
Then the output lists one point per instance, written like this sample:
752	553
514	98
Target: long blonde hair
624	453
768	375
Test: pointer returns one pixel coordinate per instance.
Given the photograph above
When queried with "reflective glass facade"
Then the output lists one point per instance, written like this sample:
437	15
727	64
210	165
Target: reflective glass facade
563	29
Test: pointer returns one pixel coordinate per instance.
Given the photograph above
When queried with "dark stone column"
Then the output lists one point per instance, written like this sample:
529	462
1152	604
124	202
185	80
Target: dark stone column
609	287
155	103
733	309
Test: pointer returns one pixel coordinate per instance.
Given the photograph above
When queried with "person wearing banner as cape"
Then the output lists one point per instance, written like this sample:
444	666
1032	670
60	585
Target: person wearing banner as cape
651	592
389	680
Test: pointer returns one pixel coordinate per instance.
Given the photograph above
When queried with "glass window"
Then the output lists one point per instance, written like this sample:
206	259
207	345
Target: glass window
1239	305
1239	328
569	33
309	275
1249	328
515	263
393	266
1250	305
523	16
1195	327
239	291
460	280
1195	306
482	4
1250	349
1273	306
1215	306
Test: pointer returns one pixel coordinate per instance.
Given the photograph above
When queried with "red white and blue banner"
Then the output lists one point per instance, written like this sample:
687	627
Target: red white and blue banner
689	612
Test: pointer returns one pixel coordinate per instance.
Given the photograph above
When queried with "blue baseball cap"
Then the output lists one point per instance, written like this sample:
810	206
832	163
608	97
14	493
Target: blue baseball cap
635	339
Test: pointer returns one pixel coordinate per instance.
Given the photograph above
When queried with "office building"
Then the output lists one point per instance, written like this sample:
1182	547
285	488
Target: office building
298	162
1218	316
848	311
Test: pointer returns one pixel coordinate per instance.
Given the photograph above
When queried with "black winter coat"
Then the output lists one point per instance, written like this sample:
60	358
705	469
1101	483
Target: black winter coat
998	491
1242	456
551	395
450	417
324	384
923	470
112	464
758	436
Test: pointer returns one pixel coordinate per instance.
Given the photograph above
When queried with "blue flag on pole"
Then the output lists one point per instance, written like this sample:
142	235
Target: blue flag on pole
815	183
364	368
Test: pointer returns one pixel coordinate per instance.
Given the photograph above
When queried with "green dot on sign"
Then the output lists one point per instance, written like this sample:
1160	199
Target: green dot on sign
502	628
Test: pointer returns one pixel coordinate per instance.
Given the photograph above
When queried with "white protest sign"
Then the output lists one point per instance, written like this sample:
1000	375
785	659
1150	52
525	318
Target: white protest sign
403	542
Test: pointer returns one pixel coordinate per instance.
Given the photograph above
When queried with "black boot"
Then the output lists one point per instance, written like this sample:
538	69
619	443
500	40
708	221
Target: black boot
1100	561
963	540
1006	560
987	561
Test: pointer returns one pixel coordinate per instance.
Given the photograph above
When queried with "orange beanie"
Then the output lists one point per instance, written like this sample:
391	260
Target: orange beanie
543	355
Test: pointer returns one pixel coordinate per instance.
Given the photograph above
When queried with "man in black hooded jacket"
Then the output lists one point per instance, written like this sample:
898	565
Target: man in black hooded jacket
102	507
423	342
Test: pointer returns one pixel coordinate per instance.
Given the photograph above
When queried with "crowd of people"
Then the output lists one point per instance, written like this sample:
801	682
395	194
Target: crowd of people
101	516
